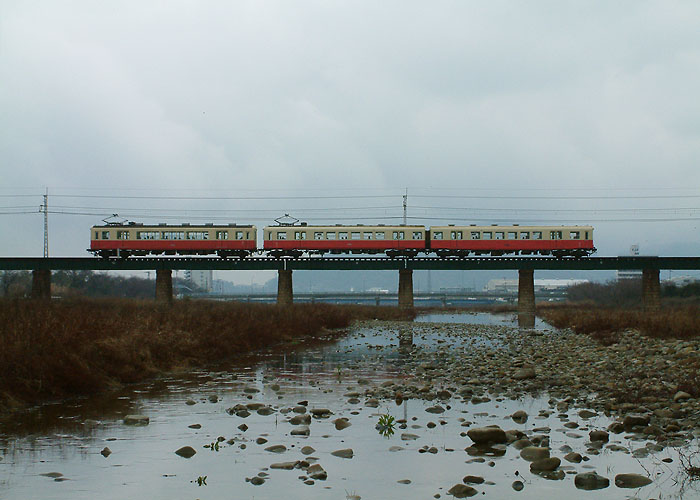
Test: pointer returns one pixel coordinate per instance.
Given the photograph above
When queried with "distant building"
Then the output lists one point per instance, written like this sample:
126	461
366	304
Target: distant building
201	279
546	285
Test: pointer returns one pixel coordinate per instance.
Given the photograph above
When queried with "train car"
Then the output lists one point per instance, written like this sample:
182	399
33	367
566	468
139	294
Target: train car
560	241
294	240
180	239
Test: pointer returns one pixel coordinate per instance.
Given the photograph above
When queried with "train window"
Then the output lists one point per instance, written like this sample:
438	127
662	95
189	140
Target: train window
239	235
417	235
367	235
525	235
146	235
587	235
247	235
575	235
437	235
299	235
281	235
122	235
318	235
456	235
379	235
512	235
222	235
201	235
398	235
97	235
355	236
537	235
105	235
487	235
499	235
342	235
555	235
330	236
173	235
476	235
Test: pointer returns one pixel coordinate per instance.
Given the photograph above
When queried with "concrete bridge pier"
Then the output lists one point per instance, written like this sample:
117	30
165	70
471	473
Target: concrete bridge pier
285	293
406	288
164	286
651	290
526	298
41	284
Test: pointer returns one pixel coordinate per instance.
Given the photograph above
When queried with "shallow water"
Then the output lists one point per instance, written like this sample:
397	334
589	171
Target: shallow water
479	318
68	438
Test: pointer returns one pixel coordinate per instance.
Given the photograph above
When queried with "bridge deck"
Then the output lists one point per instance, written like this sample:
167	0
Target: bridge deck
349	263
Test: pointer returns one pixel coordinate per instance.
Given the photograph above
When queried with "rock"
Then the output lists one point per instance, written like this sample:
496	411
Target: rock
473	479
299	409
307	450
573	457
519	417
435	409
591	481
190	402
136	420
321	412
195	426
300	419
602	436
302	430
372	403
587	414
261	440
409	437
404	481
243	427
462	491
186	452
631	481
635	419
106	452
533	453
277	448
284	465
344	453
317	472
545	464
265	410
521	443
517	485
341	423
213	398
484	435
256	481
524	374
681	396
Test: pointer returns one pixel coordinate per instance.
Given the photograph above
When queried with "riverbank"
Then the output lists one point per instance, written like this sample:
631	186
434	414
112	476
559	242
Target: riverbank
53	350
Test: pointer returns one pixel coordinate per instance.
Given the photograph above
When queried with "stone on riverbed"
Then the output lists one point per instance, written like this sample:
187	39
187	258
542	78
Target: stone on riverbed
321	412
284	465
545	464
341	423
524	374
300	419
435	409
106	452
533	453
519	417
631	481
591	481
599	436
186	452
462	491
136	420
485	435
302	430
307	450
277	448
344	453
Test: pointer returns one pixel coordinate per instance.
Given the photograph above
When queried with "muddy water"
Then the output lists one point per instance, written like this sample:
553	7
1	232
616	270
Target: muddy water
54	451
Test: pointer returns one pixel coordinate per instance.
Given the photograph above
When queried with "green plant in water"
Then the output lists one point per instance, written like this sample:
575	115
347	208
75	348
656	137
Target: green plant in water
201	481
214	446
386	424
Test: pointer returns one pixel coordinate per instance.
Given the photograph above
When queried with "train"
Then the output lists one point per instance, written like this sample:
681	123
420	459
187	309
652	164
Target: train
294	240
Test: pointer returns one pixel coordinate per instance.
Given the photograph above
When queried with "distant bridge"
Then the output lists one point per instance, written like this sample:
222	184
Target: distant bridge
41	269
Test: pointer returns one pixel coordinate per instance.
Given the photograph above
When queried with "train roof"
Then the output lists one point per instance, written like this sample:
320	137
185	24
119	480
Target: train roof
178	226
349	226
475	227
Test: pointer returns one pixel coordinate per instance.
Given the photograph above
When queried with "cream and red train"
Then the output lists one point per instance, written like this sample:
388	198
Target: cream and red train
294	240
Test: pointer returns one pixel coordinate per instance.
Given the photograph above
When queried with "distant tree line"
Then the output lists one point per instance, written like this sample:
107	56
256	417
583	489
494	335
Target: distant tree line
626	292
84	284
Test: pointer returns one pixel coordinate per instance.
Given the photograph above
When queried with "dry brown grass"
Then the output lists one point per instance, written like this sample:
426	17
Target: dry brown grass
680	322
62	348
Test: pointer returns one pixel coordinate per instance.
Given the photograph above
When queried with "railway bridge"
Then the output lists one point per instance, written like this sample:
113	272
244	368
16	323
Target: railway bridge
526	266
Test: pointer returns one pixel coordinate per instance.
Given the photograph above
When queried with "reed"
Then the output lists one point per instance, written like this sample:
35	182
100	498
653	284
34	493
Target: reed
63	348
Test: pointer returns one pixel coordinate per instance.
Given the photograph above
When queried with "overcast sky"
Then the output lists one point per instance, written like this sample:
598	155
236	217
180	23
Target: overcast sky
579	112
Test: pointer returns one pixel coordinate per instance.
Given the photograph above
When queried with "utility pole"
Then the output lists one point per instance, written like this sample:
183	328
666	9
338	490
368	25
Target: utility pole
405	202
45	210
